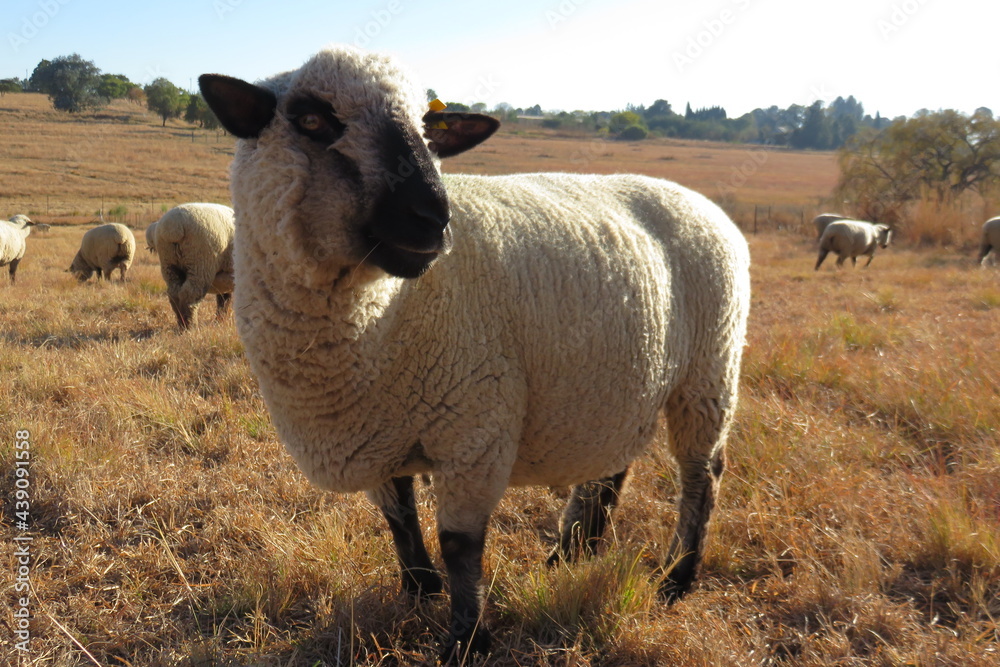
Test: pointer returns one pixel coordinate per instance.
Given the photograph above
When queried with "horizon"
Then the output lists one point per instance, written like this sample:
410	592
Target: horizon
567	55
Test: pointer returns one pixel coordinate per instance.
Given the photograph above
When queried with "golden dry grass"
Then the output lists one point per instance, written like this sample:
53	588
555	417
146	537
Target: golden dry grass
858	523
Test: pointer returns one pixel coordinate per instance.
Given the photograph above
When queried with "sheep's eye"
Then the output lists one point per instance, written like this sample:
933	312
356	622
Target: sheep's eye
316	120
311	122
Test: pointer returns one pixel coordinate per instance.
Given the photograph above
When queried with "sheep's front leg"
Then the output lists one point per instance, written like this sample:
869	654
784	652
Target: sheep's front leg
13	270
822	255
586	516
396	500
465	503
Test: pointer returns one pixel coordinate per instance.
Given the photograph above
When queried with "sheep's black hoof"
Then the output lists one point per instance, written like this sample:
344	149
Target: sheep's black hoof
422	583
674	588
464	650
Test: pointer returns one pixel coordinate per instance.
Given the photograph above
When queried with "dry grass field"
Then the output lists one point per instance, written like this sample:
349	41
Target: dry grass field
859	522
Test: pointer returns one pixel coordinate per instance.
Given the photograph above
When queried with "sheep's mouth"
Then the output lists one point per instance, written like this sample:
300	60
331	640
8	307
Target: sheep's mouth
406	259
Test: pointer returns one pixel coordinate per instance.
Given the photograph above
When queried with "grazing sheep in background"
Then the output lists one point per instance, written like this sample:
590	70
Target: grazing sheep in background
824	219
195	245
991	239
490	331
13	242
151	237
851	238
104	249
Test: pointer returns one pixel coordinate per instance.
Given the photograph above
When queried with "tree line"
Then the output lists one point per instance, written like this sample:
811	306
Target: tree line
74	85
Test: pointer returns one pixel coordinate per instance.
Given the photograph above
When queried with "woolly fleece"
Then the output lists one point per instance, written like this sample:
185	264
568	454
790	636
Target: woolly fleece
103	249
851	239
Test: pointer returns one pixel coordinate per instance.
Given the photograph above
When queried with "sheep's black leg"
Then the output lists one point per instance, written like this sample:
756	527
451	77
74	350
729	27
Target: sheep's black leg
699	488
184	312
222	304
463	556
398	504
822	256
586	516
13	270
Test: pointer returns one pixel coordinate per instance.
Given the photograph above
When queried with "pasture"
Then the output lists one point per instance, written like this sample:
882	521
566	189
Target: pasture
858	522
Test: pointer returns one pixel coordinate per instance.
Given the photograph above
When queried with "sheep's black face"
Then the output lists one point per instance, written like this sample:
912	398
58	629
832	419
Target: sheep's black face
408	224
369	190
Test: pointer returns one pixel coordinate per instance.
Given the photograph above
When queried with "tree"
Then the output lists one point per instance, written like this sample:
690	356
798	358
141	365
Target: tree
622	120
659	108
114	86
136	95
70	82
165	99
431	95
942	154
40	80
10	86
199	112
814	132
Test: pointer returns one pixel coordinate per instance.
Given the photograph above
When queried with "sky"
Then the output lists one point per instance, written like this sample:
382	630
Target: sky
894	56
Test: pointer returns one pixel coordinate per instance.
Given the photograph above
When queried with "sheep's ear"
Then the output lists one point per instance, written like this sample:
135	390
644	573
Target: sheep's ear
451	133
243	108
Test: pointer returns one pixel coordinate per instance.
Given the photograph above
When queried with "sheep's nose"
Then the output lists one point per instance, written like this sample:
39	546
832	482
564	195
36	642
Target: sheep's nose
434	216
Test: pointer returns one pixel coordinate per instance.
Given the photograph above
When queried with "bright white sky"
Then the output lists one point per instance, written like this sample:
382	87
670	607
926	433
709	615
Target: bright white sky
894	56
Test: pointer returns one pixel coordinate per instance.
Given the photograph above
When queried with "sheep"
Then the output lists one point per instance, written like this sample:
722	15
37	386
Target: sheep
991	240
104	249
487	331
151	237
824	219
13	242
195	245
850	238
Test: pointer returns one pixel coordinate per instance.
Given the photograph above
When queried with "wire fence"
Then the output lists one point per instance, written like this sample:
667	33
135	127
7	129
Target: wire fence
137	212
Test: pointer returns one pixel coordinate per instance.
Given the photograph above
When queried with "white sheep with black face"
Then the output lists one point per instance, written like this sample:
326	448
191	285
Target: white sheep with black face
990	241
13	242
488	331
851	239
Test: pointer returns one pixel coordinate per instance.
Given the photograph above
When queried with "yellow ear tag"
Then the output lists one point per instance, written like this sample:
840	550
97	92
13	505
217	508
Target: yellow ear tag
438	105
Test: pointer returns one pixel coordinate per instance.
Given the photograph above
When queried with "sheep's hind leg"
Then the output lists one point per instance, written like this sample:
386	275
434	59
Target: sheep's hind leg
222	302
698	428
396	500
586	516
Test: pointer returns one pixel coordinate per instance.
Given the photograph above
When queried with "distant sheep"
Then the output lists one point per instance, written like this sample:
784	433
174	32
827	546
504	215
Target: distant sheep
13	242
824	219
490	331
104	249
991	240
195	245
151	237
852	238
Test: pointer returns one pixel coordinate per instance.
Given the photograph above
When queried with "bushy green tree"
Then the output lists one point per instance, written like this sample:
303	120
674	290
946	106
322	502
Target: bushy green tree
623	119
114	86
10	86
70	82
199	112
165	99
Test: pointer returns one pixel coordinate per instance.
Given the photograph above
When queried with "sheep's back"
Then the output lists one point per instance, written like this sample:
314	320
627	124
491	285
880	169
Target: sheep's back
607	291
197	238
12	243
